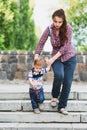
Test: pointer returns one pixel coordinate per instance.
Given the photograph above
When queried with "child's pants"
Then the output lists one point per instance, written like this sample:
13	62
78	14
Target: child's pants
36	96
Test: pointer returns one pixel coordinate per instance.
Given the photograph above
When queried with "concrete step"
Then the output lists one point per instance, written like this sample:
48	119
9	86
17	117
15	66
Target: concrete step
74	95
16	112
42	126
25	105
20	91
44	117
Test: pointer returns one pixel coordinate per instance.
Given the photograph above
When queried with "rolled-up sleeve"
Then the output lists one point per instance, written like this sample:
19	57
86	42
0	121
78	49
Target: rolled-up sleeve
42	41
64	48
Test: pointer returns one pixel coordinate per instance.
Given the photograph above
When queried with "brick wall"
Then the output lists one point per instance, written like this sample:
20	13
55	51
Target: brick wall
15	65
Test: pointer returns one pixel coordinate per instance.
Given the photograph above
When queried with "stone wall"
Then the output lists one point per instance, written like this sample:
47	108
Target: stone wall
16	64
81	67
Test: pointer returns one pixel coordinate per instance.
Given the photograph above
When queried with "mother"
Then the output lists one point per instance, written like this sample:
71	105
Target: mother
63	58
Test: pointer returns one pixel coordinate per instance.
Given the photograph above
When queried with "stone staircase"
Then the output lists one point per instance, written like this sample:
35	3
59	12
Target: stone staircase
16	112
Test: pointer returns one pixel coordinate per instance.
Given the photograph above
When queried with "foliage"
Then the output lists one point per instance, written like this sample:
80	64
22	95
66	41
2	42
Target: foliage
16	25
6	18
2	47
77	17
26	37
82	48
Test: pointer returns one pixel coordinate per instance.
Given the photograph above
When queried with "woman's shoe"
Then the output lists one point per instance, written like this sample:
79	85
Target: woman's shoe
63	111
54	102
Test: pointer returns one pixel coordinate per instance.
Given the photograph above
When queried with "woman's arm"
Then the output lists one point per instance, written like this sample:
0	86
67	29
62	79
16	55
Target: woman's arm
42	41
64	48
51	60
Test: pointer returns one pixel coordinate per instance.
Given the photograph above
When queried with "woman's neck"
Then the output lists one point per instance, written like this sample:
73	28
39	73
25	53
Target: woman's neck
57	32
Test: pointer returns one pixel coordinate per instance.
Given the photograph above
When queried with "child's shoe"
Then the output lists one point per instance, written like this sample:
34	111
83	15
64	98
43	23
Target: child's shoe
36	111
41	106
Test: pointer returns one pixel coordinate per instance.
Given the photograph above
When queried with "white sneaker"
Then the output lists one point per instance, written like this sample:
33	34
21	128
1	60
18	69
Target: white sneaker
36	111
41	106
63	111
54	103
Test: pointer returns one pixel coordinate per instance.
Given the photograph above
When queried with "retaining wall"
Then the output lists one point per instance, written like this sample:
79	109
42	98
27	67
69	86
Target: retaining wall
16	64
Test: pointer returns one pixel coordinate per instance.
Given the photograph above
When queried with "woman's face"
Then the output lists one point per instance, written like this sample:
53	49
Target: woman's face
57	21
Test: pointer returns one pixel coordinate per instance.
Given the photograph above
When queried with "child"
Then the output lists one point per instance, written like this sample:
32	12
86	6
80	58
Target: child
35	78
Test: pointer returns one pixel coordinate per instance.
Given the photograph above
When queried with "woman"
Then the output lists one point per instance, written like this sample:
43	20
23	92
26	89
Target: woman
63	58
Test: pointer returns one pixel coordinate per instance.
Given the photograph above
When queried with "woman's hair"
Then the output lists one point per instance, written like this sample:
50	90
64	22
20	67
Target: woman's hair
39	62
63	30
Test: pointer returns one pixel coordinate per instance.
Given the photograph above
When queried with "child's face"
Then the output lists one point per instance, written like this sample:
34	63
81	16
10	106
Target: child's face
37	68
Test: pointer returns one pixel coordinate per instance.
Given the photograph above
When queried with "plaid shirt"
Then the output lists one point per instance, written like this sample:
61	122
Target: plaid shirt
67	50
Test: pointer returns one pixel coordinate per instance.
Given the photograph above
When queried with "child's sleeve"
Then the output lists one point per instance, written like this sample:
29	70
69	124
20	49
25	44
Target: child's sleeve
30	75
44	70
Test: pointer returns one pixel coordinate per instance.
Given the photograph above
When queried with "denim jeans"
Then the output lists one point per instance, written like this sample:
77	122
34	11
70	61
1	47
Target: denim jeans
36	96
63	76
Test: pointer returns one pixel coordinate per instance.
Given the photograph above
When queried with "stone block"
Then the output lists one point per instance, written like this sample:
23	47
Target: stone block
4	66
21	67
83	76
82	95
3	75
84	117
10	105
10	75
79	59
13	52
13	67
4	58
21	59
18	75
46	117
12	59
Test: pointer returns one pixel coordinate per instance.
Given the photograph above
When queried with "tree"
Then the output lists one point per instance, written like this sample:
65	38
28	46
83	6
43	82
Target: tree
6	19
26	37
77	17
17	29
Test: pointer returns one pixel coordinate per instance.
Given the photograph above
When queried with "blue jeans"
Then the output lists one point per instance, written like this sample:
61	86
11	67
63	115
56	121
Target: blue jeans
63	76
36	96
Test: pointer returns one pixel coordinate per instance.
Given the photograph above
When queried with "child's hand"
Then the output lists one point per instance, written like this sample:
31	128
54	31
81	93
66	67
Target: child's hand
48	62
34	87
46	59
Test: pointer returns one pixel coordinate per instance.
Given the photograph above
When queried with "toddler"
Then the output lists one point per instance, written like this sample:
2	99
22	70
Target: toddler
35	78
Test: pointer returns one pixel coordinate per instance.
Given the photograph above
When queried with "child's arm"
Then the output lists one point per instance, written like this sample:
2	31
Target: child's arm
48	68
31	82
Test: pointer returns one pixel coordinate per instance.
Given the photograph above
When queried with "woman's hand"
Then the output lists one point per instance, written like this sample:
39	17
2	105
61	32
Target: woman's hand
48	61
55	57
51	60
36	56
